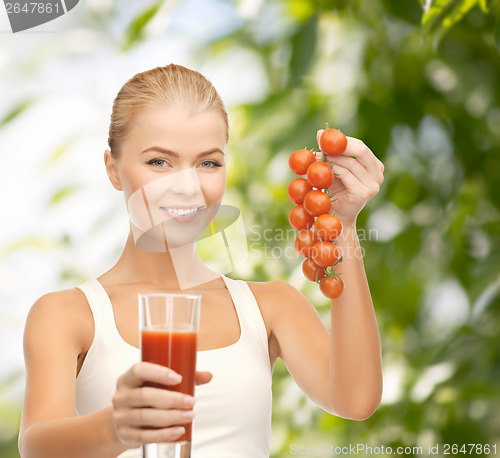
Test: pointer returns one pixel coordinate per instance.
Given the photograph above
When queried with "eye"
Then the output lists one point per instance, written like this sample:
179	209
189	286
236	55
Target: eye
157	162
210	164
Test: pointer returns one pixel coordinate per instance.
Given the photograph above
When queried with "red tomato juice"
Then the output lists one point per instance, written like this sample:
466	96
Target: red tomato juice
176	350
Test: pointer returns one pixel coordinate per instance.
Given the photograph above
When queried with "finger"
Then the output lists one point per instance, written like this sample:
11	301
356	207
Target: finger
318	136
358	149
143	372
367	177
363	156
154	418
202	377
354	185
153	397
150	436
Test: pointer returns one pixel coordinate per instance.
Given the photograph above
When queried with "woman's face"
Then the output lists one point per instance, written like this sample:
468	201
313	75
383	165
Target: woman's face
172	170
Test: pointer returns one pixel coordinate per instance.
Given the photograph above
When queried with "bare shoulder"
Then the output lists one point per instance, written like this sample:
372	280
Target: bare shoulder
276	297
64	312
286	312
59	304
274	289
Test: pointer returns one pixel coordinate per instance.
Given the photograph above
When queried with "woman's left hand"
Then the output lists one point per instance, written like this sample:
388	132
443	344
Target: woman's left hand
358	177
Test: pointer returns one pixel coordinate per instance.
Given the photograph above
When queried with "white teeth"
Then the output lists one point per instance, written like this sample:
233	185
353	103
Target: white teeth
182	211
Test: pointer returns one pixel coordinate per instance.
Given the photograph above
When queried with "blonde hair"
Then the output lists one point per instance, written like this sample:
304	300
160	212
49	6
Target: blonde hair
169	86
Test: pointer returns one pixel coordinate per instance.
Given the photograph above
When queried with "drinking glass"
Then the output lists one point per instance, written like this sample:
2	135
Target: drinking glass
168	325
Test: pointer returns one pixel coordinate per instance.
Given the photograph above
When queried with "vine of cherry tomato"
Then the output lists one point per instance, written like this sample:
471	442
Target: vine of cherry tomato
312	215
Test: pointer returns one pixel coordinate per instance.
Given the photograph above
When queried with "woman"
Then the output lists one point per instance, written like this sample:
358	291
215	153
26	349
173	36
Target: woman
167	154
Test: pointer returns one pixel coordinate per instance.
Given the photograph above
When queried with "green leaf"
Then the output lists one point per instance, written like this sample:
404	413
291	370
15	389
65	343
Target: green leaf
62	194
497	33
60	151
31	242
135	31
458	12
16	111
483	4
300	10
57	154
442	15
449	12
303	44
439	10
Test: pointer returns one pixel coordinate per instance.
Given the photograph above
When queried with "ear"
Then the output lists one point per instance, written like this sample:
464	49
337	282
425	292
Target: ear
109	162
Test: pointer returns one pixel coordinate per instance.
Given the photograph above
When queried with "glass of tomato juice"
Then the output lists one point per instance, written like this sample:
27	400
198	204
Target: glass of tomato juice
168	325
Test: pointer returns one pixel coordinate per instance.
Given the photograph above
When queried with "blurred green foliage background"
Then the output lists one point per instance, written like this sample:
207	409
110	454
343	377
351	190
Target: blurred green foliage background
418	83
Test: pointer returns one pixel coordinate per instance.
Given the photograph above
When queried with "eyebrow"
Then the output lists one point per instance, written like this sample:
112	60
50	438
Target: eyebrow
159	149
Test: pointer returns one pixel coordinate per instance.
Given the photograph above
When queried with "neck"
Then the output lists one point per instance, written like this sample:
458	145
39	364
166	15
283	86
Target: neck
173	269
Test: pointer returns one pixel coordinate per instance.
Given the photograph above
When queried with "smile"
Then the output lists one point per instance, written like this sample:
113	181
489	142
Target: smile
181	211
183	215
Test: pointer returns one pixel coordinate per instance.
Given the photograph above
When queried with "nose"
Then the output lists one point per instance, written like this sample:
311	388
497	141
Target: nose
185	182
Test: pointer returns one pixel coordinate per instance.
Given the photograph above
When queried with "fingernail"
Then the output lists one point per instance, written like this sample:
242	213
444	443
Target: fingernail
179	431
188	401
175	378
188	415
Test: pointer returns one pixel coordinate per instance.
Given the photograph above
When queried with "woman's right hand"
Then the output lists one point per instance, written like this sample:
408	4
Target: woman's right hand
143	414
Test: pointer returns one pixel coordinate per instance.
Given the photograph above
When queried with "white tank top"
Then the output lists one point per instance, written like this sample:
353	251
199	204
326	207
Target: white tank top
232	411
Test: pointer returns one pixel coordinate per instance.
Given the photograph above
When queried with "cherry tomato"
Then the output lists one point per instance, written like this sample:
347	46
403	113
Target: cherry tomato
332	287
320	175
333	142
300	160
304	242
324	253
297	189
310	269
328	227
317	203
300	219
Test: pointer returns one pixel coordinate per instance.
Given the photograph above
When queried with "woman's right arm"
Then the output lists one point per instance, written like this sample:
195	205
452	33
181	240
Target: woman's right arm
49	428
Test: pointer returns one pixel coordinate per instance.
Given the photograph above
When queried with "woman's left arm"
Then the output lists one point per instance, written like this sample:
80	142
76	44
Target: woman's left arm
355	376
341	370
355	353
